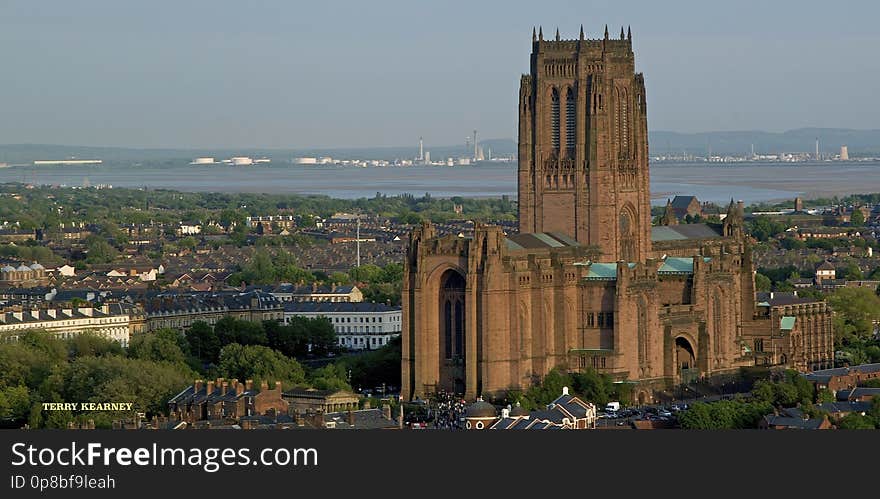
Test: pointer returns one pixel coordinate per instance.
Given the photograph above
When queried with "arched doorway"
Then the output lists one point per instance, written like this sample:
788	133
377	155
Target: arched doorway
685	360
452	331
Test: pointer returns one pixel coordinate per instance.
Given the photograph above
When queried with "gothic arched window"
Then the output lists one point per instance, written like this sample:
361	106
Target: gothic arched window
554	118
570	122
627	235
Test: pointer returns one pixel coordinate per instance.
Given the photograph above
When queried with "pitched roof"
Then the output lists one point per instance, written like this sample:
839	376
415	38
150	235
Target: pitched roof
337	307
539	240
683	232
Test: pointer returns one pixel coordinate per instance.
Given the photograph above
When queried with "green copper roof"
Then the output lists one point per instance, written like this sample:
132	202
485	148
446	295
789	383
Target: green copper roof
787	323
677	265
603	271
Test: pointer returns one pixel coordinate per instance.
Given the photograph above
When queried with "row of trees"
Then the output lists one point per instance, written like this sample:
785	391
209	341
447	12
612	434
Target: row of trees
379	284
589	385
300	338
767	396
40	368
47	208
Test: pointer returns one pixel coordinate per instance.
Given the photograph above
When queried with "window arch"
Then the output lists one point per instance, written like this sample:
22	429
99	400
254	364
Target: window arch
554	118
570	122
627	230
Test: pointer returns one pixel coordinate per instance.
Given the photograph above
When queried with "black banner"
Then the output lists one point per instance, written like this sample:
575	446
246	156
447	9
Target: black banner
335	463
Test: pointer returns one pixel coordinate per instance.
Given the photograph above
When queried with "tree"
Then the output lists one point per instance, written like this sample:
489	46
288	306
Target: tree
203	342
762	282
857	218
259	363
232	330
165	345
99	250
89	344
852	272
330	377
855	421
15	402
875	409
855	310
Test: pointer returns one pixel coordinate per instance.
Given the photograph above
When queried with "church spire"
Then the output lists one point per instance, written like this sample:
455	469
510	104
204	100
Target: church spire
621	32
534	36
582	31
557	34
629	33
540	33
606	31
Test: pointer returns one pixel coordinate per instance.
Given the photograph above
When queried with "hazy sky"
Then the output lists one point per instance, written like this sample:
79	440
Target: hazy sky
287	74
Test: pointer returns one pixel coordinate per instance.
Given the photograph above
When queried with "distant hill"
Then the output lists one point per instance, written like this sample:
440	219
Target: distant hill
859	142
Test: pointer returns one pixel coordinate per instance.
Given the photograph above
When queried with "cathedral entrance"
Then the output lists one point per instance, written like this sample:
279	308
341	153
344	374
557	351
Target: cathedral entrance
685	360
452	332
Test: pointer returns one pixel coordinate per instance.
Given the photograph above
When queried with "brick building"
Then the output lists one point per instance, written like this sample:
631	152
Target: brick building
587	282
226	400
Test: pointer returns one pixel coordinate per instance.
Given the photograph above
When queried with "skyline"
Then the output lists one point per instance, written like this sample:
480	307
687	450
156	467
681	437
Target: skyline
277	76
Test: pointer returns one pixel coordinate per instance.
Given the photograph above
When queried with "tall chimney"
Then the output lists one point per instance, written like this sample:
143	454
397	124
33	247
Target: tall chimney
248	384
210	387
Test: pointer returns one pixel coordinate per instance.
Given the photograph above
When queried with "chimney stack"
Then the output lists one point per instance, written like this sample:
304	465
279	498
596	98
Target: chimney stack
210	388
264	386
248	384
239	388
197	385
278	385
223	387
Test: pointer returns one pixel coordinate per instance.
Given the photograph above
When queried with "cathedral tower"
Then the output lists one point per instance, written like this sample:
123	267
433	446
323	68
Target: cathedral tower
583	145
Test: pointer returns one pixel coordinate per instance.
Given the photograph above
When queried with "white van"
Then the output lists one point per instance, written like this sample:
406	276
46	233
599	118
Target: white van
612	407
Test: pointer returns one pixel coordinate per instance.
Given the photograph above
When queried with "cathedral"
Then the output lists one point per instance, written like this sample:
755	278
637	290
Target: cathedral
588	282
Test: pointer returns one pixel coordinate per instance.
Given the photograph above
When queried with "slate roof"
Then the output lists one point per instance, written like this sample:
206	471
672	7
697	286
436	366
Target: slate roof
539	240
845	407
306	289
857	392
190	396
776	299
824	375
793	423
174	302
365	419
682	232
337	307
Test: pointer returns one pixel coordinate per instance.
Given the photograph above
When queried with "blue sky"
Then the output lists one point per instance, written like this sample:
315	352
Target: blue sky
288	74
